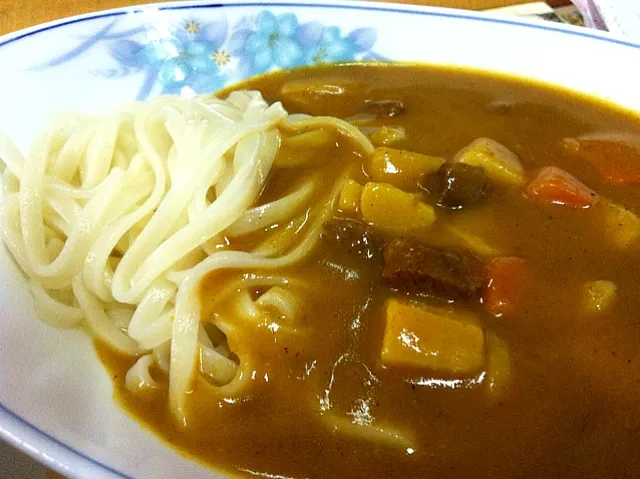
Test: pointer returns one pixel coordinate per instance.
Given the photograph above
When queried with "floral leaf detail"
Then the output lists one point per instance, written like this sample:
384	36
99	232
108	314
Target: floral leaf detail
126	52
363	38
124	34
77	51
172	89
147	84
109	73
309	34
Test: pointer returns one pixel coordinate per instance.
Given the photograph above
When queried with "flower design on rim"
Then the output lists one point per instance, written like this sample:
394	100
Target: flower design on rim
196	55
324	44
272	44
182	59
192	26
221	57
331	47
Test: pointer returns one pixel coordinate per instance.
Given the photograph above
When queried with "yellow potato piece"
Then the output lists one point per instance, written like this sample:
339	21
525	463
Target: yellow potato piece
501	164
498	366
349	200
401	168
621	225
598	295
432	338
394	211
471	241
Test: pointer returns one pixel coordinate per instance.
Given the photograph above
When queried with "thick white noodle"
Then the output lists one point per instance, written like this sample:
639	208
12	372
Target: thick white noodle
116	220
52	311
138	379
302	122
218	367
282	301
184	343
279	210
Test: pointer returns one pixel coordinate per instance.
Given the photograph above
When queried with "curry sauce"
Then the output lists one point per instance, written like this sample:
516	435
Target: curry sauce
571	405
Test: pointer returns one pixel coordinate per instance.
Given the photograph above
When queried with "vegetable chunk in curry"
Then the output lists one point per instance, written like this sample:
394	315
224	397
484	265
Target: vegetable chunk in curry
472	308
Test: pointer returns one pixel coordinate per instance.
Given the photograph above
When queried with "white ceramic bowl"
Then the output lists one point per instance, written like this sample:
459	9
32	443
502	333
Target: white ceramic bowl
55	397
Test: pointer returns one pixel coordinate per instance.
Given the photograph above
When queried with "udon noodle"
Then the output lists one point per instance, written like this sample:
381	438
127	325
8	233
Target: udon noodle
116	220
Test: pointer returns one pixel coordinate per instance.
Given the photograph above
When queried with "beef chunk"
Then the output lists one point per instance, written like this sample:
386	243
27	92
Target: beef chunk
457	185
359	239
412	267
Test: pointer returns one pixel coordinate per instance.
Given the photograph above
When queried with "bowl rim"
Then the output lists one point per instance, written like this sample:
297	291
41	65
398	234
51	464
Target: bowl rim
443	12
69	461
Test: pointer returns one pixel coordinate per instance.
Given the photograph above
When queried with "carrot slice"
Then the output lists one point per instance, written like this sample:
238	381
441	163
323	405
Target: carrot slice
614	156
505	276
553	185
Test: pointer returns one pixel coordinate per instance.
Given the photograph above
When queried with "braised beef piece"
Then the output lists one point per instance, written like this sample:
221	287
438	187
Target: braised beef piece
457	185
413	267
386	108
359	239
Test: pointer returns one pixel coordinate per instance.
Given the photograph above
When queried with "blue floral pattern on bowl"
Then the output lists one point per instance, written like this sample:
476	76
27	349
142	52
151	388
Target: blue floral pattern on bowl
195	56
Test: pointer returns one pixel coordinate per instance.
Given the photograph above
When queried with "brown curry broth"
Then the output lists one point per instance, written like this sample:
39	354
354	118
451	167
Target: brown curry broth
572	408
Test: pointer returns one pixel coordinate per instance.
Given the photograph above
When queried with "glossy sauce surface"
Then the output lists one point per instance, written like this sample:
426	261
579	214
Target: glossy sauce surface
572	405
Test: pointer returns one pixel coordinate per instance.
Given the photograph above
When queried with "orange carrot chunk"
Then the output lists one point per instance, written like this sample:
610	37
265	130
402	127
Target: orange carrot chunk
553	185
505	276
616	157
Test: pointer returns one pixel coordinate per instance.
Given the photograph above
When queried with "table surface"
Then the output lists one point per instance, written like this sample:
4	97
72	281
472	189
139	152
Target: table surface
17	14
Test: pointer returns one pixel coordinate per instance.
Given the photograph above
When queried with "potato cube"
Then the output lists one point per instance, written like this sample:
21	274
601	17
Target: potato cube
470	241
598	295
349	201
394	211
401	168
502	165
621	225
433	338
